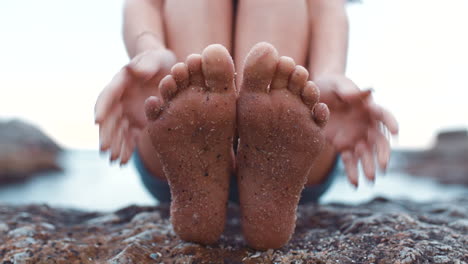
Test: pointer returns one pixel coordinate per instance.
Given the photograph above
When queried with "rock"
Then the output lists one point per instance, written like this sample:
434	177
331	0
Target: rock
381	231
21	258
446	161
461	224
102	220
4	227
23	231
452	139
25	150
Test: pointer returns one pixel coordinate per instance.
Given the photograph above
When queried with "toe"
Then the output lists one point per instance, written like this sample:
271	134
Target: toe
260	66
168	88
298	80
310	94
180	74
194	64
153	108
283	71
218	68
321	114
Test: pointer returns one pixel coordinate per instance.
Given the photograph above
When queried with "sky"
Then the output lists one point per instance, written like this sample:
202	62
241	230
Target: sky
56	56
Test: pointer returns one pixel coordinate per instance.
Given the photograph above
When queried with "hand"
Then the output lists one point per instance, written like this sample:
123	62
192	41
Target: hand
119	108
357	126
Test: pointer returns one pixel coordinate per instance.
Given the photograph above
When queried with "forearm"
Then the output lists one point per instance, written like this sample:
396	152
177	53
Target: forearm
329	37
143	26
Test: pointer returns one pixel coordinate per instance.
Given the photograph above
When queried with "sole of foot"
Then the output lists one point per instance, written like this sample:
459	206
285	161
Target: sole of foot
280	126
192	129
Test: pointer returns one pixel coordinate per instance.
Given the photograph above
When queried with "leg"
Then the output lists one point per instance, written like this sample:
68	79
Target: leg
193	25
192	131
190	27
280	128
283	23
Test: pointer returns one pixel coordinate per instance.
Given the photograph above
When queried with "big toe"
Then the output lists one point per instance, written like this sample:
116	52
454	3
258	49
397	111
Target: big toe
259	68
218	68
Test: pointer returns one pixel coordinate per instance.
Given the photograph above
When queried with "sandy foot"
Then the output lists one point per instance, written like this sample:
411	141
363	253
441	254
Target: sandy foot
192	130
280	128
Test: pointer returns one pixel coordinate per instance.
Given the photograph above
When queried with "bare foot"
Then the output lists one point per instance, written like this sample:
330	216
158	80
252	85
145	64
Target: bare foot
192	130
280	128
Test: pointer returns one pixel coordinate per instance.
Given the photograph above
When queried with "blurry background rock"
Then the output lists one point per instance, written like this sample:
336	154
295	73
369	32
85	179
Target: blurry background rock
446	161
25	150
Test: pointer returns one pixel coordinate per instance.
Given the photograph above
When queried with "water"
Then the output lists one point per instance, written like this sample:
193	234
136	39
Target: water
87	182
90	182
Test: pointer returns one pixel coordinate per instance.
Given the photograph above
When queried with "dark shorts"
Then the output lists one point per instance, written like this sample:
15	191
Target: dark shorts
160	188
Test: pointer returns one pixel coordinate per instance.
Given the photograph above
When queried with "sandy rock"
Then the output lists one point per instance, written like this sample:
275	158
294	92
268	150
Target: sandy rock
25	150
380	231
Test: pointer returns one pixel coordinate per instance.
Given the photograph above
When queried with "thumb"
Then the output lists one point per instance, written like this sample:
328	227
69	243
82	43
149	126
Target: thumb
145	65
352	97
350	93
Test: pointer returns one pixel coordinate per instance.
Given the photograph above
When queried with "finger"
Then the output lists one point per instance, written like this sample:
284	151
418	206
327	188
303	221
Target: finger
366	154
125	142
107	127
350	163
127	147
382	147
387	133
132	139
111	94
122	151
117	141
387	118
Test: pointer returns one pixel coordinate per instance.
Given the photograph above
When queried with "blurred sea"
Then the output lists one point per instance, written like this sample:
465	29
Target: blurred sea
89	182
